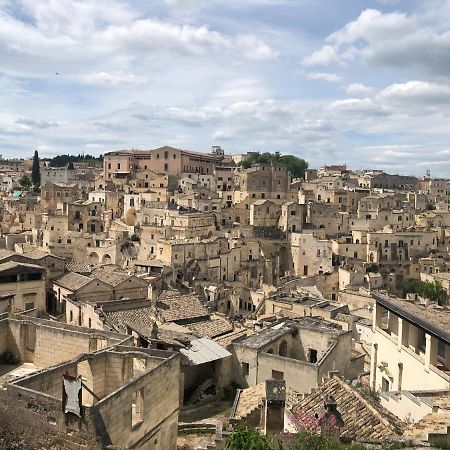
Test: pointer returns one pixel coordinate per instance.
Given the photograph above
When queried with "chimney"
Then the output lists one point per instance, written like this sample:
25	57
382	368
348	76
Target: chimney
273	411
331	417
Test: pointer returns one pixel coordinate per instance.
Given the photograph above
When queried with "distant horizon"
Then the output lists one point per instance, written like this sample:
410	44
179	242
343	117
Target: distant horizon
367	169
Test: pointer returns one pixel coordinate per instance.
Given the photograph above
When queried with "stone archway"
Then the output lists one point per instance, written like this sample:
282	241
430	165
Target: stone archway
106	259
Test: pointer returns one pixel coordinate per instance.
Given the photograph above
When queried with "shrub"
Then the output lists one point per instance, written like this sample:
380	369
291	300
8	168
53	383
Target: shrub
247	439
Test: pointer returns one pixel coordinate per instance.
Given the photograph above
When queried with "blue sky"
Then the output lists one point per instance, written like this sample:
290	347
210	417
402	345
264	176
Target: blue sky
356	81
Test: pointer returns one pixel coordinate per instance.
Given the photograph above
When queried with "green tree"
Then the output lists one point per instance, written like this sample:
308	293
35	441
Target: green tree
296	166
246	438
24	183
36	172
434	290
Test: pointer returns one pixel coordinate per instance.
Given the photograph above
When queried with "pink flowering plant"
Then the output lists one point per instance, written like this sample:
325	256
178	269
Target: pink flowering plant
311	433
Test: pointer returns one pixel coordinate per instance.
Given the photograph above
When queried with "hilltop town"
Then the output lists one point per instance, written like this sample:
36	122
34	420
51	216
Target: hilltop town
165	298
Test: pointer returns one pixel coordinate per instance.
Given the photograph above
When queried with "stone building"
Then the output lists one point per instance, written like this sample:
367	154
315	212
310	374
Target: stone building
168	160
26	282
129	397
302	352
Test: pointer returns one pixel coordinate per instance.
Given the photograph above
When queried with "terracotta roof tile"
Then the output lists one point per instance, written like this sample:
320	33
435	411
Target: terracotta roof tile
363	420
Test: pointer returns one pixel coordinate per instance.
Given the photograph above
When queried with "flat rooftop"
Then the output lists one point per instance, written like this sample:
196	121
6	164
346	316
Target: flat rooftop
433	318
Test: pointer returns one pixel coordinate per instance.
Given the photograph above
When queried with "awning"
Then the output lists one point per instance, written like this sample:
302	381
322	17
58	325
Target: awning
204	350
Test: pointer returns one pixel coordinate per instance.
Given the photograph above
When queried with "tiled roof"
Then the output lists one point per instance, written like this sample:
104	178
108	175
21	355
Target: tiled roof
142	317
5	253
12	267
112	278
231	337
78	267
363	420
177	307
211	328
73	281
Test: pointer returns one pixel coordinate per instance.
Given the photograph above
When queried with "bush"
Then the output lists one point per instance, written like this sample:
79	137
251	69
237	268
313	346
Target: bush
370	394
248	439
135	238
434	291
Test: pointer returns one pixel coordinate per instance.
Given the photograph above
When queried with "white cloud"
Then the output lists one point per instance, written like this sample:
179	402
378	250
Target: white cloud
114	79
359	90
324	76
389	39
362	107
372	26
253	48
323	57
222	135
416	93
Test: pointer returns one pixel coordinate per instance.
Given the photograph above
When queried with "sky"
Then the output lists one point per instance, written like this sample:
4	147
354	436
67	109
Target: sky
362	82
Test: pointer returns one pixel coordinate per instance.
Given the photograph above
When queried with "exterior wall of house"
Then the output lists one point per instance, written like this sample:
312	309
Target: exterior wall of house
264	214
54	195
310	256
404	356
56	175
96	290
45	343
399	246
27	294
163	160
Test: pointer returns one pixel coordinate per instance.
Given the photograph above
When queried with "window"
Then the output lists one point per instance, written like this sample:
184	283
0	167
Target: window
245	369
90	323
166	155
385	385
312	355
277	375
137	408
71	316
109	166
29	305
166	167
118	166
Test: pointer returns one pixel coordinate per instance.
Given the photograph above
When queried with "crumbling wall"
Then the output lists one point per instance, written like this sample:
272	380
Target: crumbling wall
159	426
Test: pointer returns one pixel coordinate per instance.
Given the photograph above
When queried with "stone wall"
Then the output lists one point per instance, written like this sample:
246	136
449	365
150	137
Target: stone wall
158	429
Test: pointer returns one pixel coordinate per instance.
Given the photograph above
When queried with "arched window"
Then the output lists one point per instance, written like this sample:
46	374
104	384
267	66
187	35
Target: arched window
166	155
166	167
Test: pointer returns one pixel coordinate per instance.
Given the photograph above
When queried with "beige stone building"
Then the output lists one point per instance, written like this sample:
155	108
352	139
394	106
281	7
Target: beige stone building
410	360
168	160
302	352
26	282
130	397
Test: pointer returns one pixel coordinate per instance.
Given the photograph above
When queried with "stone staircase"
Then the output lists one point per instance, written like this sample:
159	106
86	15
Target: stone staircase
70	441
